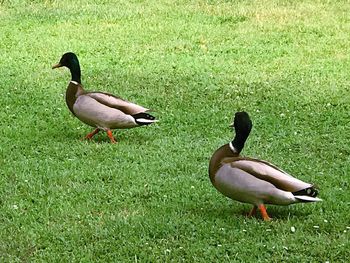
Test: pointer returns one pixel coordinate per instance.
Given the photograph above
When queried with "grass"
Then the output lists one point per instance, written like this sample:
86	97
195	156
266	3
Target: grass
149	198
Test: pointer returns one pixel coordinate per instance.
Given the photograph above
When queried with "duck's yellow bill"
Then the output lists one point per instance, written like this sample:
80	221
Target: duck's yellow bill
57	66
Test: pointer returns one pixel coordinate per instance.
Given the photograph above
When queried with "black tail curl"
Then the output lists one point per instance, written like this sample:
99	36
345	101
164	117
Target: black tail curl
145	116
310	191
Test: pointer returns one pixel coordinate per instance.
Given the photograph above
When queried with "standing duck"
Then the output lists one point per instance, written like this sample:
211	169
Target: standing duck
98	109
251	180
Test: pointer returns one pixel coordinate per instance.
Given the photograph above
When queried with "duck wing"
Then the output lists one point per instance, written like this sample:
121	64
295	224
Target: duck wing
268	172
116	102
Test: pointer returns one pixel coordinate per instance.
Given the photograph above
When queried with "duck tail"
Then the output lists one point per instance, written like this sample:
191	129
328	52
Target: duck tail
307	195
144	118
307	199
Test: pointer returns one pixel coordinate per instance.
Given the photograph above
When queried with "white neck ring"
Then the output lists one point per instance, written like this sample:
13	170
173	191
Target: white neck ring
233	149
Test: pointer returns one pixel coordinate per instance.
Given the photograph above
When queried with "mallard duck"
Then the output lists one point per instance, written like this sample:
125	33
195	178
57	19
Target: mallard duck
98	109
254	181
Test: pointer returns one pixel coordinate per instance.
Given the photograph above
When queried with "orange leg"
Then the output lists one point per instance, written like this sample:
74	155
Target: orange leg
91	134
110	135
263	212
253	211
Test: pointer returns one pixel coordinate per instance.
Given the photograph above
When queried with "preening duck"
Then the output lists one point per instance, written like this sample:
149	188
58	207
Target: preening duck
101	110
251	180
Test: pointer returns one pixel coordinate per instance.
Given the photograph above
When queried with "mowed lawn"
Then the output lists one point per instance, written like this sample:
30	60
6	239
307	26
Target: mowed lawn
148	198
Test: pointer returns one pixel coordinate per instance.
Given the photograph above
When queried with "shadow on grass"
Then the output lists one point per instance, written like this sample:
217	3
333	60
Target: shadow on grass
241	212
75	135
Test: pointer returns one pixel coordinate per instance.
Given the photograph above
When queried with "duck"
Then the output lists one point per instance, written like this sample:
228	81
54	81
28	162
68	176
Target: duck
103	111
254	181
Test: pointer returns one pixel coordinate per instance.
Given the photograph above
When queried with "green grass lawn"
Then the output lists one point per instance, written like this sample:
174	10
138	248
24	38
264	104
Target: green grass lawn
149	198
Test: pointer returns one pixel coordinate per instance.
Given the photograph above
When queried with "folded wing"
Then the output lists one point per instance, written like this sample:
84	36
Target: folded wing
117	103
268	172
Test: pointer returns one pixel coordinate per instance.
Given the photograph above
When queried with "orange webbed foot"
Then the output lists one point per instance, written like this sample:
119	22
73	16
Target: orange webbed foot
110	135
263	212
91	134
